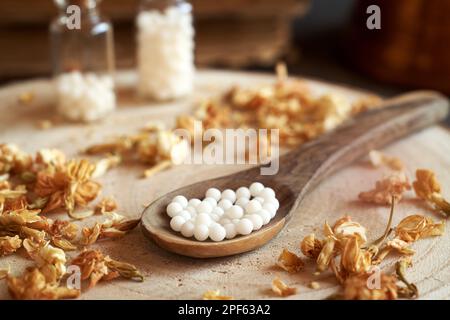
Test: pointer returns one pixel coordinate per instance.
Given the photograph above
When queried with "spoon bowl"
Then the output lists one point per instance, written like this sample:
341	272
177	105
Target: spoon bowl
156	225
300	171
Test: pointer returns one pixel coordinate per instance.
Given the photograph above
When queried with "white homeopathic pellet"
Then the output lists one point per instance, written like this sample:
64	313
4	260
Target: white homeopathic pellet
259	199
253	206
203	218
85	96
219	211
244	227
265	215
185	214
191	210
275	203
173	208
187	229
242	202
217	232
211	201
201	232
256	220
215	217
224	221
243	192
267	193
256	188
270	207
204	207
213	193
181	200
225	204
194	202
165	53
230	230
234	212
177	222
229	194
223	214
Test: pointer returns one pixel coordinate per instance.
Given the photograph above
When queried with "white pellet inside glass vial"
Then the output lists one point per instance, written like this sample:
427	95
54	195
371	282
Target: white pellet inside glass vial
223	214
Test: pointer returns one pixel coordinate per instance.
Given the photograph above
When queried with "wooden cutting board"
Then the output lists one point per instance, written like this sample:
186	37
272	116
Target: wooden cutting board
246	276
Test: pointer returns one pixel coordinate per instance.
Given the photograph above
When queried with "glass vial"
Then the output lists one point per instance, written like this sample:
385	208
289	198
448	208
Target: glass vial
165	49
82	48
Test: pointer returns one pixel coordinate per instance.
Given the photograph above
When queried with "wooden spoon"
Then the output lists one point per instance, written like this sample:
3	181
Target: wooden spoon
300	171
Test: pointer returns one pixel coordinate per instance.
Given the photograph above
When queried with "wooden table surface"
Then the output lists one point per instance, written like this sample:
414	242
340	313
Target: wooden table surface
245	276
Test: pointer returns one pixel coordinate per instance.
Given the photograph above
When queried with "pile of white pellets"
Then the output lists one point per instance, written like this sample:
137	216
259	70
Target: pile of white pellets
85	96
223	214
165	53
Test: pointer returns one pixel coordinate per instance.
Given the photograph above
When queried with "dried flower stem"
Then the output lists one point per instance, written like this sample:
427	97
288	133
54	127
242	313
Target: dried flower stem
411	290
157	168
441	203
388	229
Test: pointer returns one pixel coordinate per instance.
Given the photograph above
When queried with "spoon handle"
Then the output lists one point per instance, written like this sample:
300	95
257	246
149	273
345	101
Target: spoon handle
303	168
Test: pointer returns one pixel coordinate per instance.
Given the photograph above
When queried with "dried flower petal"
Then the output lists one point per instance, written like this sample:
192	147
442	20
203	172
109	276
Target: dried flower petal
26	97
360	287
415	227
51	158
426	184
13	160
188	123
3	273
44	124
95	266
126	270
215	295
103	165
379	159
428	188
51	260
68	186
90	235
394	185
80	215
281	289
107	204
326	254
33	285
311	246
114	227
64	244
64	229
20	217
400	246
9	245
353	258
290	262
345	227
120	146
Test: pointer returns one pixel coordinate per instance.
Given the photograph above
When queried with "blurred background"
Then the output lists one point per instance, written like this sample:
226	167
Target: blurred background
325	39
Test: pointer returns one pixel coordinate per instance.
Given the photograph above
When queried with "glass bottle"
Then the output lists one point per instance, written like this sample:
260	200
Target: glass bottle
82	51
165	49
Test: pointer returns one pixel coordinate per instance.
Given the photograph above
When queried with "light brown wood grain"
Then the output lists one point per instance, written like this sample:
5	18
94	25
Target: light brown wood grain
245	276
